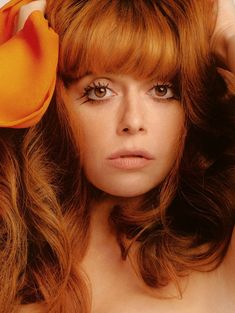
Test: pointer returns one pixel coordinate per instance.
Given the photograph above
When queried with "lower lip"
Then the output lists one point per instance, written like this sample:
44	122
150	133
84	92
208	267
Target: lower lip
129	162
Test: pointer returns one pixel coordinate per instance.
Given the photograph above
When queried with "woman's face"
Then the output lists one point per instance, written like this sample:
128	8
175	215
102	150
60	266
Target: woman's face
128	131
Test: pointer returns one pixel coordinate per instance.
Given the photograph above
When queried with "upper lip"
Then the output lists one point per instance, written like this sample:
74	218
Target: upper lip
129	152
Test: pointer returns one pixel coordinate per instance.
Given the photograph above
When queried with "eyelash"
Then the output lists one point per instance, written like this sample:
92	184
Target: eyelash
169	86
95	85
91	87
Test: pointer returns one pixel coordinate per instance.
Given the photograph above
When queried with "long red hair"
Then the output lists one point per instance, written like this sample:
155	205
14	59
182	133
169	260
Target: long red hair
185	223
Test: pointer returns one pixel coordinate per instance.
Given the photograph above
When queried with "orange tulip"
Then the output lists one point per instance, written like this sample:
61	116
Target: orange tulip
28	61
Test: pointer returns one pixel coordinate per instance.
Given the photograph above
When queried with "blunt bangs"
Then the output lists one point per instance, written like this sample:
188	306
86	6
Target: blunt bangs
123	37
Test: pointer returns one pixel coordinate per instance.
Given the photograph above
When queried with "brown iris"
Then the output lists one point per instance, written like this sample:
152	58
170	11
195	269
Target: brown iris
100	91
161	90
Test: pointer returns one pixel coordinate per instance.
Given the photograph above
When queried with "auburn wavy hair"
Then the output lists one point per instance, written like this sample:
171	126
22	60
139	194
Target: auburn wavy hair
185	223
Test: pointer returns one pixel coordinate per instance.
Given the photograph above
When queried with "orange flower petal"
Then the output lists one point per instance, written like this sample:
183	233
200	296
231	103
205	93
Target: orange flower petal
28	63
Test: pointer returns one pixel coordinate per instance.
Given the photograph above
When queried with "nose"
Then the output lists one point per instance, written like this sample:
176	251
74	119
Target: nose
132	116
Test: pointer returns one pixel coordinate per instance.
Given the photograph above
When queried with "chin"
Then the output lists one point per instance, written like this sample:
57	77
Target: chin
124	191
125	186
125	194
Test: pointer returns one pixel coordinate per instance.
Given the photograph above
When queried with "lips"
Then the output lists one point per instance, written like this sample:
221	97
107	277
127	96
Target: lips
130	160
124	153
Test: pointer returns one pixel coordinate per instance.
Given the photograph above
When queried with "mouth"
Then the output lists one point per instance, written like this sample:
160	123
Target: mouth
143	154
131	156
130	159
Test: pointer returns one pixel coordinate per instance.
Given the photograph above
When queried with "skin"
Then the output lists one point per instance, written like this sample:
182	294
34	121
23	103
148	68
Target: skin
223	37
126	113
130	114
131	117
26	10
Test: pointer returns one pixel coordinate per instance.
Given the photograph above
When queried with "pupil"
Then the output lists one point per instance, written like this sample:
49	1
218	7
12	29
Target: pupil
100	92
161	90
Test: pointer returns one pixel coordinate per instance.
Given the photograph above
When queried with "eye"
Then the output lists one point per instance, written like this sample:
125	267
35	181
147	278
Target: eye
98	92
162	91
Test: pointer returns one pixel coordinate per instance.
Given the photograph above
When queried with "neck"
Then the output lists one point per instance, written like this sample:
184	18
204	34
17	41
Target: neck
101	209
227	266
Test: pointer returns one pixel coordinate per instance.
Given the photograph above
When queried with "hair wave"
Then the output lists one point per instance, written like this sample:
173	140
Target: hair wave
185	223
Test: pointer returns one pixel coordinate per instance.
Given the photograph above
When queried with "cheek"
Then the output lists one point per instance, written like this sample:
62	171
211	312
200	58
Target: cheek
86	127
170	132
93	140
97	137
129	184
